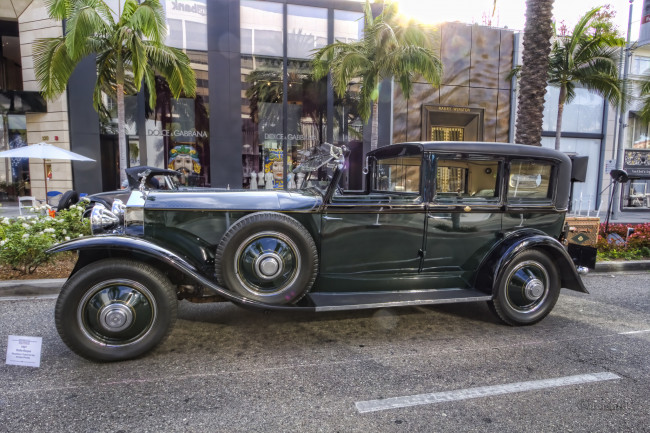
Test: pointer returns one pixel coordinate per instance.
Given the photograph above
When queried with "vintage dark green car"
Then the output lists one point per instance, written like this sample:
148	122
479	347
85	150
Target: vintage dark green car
438	222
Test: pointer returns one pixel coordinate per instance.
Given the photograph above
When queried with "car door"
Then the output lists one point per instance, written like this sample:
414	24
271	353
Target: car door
463	217
373	241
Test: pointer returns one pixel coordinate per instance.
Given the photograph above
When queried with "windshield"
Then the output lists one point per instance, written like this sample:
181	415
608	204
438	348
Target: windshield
317	167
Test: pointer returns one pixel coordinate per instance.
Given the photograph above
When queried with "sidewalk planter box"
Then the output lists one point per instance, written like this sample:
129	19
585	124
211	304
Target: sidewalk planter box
583	230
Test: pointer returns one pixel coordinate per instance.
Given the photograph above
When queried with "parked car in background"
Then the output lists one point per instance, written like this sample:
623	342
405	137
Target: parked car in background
438	222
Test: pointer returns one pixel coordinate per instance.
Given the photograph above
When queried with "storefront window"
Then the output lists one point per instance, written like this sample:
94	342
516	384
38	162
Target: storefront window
177	134
348	26
638	133
261	28
262	88
583	114
640	65
584	193
14	172
306	30
267	76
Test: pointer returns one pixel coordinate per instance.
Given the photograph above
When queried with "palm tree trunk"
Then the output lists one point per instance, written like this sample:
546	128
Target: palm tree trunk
534	71
121	137
560	110
374	127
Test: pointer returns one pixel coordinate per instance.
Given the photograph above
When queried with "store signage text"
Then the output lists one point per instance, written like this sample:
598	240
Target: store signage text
194	8
456	109
165	133
289	137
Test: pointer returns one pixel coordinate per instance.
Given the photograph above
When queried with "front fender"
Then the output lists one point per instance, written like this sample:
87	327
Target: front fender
513	244
105	246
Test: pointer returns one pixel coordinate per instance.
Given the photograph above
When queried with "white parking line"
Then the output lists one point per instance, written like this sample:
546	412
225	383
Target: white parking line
483	391
634	332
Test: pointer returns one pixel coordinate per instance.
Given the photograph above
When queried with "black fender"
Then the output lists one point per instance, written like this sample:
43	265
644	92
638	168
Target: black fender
100	247
514	243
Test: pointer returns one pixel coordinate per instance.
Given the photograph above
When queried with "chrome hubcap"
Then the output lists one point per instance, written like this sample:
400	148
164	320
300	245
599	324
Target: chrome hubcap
115	317
527	286
534	289
268	266
266	262
116	312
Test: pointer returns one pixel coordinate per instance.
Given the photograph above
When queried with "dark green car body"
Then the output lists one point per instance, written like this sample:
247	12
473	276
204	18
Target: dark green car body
438	222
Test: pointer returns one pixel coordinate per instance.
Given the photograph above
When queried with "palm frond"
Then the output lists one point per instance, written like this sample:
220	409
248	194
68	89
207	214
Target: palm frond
84	22
149	19
53	66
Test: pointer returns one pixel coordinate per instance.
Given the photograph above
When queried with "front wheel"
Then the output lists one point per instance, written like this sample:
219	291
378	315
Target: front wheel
115	309
527	289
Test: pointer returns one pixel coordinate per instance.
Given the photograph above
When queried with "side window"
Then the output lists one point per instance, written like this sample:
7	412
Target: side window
399	174
467	180
530	182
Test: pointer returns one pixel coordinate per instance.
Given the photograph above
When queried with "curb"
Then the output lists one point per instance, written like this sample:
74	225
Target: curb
627	265
27	288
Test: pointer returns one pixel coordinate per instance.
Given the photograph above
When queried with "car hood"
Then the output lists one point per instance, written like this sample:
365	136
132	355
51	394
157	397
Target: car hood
241	200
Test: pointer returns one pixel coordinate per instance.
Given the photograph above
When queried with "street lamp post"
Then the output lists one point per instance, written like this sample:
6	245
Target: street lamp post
623	118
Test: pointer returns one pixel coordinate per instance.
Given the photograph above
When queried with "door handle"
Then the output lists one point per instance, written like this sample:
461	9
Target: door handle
435	217
329	218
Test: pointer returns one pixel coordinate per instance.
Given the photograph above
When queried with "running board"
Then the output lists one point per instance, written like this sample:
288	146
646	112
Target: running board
335	301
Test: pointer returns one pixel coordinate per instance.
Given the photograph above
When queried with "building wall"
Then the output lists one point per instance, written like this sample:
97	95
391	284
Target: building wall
52	126
476	61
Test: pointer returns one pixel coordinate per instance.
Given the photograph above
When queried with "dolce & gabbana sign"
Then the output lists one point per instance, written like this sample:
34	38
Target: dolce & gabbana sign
166	133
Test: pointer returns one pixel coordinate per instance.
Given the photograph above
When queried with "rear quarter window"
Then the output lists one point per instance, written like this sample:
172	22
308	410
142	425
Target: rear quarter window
530	182
400	174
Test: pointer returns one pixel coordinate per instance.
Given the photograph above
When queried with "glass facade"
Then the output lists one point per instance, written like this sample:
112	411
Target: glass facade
174	133
583	116
177	131
284	110
14	172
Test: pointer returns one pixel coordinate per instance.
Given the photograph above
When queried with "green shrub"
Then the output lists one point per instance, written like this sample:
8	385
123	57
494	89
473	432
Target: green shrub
24	240
636	247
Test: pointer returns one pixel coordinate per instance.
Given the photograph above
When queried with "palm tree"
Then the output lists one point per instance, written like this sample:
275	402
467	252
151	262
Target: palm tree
644	93
590	60
537	46
128	51
388	49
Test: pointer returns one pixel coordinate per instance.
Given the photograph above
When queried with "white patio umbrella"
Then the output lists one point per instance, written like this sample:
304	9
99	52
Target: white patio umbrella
43	151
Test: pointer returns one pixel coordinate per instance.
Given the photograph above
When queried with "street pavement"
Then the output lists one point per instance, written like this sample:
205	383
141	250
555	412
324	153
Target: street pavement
226	369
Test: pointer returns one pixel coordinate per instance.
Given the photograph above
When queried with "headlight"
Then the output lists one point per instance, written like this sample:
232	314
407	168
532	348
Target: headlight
118	210
103	221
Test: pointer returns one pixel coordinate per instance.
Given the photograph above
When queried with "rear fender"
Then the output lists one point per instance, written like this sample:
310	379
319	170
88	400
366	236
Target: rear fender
515	243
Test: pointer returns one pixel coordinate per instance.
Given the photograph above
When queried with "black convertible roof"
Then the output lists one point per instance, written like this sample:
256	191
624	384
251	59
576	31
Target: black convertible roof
475	147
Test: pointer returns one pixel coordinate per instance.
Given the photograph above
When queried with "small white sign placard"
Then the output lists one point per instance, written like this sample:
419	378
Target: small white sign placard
610	165
24	351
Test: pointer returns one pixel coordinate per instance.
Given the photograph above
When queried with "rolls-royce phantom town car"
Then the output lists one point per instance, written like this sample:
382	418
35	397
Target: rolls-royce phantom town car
437	222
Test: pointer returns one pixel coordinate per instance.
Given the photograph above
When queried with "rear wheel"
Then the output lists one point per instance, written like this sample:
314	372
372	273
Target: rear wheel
268	257
527	289
115	309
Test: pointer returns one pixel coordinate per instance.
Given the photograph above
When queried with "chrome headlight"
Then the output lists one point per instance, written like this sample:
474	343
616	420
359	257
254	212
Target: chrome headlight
118	209
103	221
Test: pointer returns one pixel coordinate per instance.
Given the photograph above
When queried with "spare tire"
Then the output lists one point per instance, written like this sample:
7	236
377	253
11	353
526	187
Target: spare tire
68	199
267	257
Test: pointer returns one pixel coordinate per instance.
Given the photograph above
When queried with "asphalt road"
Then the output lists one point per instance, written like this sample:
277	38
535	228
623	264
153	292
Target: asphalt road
225	369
